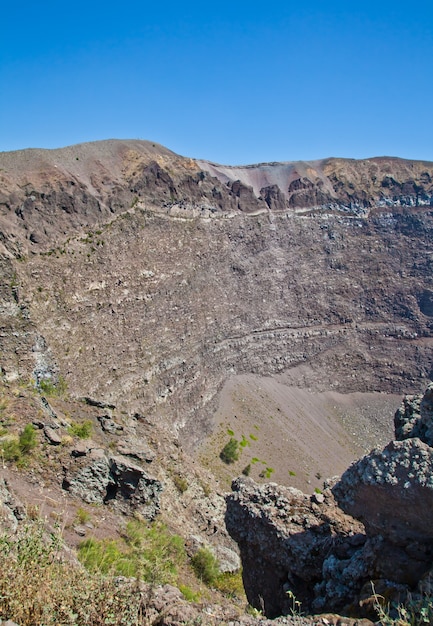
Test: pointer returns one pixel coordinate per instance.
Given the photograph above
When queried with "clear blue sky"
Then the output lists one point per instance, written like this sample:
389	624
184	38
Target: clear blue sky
233	82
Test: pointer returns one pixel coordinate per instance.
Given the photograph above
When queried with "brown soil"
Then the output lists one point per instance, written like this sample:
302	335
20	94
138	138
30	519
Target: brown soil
304	436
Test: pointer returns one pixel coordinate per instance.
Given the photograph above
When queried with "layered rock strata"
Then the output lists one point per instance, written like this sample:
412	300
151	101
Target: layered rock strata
146	279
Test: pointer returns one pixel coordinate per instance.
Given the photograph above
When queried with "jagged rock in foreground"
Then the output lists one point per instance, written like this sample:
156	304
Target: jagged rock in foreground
391	492
284	537
116	479
373	525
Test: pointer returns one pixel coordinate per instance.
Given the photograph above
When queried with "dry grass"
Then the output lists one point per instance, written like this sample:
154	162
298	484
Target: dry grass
38	587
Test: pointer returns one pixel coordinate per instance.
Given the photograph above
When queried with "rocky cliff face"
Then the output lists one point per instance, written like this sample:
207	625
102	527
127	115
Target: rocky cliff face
372	526
146	279
333	184
140	281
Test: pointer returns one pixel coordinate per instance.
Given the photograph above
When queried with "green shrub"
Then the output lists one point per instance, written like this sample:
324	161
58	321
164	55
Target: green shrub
230	452
205	566
244	442
82	430
106	556
160	552
147	551
189	594
247	470
51	389
27	439
15	449
82	515
180	482
10	449
231	584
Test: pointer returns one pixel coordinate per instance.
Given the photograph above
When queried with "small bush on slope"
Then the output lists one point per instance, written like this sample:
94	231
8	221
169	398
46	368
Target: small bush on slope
27	439
51	389
14	449
230	452
148	552
206	566
82	430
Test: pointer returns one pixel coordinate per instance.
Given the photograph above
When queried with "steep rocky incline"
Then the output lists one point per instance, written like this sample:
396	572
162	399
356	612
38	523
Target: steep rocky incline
147	279
136	282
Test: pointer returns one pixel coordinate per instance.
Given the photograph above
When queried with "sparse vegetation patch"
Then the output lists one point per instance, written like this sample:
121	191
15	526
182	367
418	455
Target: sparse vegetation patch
37	587
180	482
51	389
82	430
206	566
247	470
244	442
17	449
230	452
267	472
147	551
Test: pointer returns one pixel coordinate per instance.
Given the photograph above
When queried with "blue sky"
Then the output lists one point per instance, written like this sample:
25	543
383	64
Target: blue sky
232	82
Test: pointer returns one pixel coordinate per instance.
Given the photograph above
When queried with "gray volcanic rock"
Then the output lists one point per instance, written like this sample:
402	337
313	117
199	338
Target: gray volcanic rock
108	425
391	492
337	183
136	449
91	482
117	481
288	542
414	418
373	525
11	509
273	197
53	436
133	487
